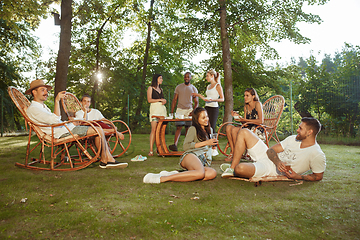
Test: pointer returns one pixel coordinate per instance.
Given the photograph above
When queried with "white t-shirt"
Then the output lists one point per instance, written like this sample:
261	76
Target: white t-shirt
93	115
302	159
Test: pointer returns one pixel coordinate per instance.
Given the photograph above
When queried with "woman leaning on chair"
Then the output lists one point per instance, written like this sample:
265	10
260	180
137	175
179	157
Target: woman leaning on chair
157	102
253	117
197	156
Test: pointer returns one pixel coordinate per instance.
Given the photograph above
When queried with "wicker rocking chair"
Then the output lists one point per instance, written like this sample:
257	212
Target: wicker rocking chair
66	154
272	110
71	105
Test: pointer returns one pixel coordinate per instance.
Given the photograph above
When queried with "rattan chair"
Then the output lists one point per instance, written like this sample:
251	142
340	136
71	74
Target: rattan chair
272	110
66	154
71	105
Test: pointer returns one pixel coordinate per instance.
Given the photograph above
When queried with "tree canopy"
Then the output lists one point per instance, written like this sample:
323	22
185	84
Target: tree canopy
166	35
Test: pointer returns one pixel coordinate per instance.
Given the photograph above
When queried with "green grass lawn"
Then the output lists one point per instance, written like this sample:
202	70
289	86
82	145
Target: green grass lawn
99	203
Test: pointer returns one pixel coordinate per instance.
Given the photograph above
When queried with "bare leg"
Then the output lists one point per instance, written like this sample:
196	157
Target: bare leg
105	151
177	135
196	171
152	136
245	140
245	170
231	133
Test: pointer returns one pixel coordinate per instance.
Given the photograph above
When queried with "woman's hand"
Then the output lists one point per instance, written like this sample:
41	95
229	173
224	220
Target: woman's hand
234	113
198	95
163	101
212	141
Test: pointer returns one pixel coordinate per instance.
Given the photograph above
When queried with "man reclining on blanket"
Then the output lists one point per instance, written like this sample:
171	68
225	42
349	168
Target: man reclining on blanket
39	113
292	157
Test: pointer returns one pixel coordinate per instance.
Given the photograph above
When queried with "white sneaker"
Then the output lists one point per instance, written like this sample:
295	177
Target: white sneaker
224	166
229	172
215	152
167	173
151	178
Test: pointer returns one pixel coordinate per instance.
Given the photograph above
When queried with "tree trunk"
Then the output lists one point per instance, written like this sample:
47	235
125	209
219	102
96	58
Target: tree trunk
228	88
62	64
146	56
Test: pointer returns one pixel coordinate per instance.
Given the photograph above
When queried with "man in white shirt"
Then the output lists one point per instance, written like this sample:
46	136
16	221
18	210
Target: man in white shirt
41	114
292	157
93	114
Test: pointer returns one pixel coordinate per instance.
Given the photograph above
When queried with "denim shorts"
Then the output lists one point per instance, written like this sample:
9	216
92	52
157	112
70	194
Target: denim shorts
79	130
201	157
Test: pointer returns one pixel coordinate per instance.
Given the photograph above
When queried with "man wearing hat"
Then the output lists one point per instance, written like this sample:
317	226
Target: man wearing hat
39	113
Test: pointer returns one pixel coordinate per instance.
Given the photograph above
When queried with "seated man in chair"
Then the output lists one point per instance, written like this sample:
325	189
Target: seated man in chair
93	114
41	114
292	157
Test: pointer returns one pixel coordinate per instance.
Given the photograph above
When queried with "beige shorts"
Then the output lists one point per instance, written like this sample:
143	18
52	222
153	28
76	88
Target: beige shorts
263	165
157	109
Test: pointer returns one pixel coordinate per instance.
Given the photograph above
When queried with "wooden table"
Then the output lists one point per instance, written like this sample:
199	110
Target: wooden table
160	136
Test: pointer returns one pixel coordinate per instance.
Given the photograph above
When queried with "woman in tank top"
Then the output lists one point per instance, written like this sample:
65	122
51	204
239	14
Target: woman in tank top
157	102
253	116
214	95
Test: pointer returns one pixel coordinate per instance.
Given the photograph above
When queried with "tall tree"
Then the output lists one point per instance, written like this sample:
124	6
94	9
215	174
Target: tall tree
62	64
226	56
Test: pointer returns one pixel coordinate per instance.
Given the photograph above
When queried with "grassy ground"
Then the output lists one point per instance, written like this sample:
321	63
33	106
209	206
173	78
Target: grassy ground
99	203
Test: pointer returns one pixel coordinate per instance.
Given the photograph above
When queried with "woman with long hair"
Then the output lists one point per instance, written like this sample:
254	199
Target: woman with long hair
214	95
155	97
253	117
197	156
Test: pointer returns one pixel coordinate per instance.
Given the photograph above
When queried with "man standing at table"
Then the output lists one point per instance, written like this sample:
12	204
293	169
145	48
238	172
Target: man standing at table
186	104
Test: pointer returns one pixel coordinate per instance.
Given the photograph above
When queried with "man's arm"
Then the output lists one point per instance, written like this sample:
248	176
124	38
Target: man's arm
272	155
196	102
308	177
57	103
173	104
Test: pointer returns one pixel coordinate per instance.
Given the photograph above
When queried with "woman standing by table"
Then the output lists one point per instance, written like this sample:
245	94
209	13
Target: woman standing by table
157	102
197	156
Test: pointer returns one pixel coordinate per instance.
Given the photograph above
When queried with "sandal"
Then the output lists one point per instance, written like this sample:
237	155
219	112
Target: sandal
229	158
151	153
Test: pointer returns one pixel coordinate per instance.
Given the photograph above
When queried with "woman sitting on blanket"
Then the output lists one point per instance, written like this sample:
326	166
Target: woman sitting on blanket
197	156
253	117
